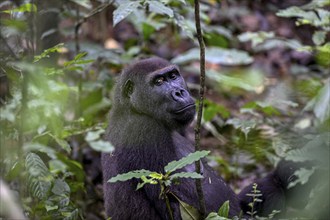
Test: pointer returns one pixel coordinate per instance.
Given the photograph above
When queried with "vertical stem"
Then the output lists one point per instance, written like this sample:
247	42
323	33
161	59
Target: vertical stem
76	37
200	107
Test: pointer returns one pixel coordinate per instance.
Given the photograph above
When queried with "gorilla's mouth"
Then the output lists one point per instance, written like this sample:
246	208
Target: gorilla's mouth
181	110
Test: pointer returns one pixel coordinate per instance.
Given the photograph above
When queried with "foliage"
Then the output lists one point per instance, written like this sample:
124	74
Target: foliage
166	180
263	102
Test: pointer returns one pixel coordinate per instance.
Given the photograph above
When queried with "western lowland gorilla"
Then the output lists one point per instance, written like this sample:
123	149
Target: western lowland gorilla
151	108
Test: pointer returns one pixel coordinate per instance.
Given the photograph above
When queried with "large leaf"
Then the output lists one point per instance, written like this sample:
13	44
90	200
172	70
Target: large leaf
216	55
160	8
124	10
175	165
130	175
321	103
224	209
187	211
39	181
192	175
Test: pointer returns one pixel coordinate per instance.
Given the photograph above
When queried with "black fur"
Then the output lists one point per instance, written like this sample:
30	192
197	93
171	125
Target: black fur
145	127
152	106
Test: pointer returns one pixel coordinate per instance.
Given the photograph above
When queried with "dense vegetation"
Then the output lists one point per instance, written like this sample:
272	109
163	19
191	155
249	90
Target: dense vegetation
268	91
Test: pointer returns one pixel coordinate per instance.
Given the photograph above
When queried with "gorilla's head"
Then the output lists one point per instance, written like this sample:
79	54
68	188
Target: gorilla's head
154	87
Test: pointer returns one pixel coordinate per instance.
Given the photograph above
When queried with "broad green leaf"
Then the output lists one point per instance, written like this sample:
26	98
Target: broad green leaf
319	37
216	55
33	146
130	175
187	211
192	175
63	143
255	37
321	103
94	135
175	165
71	215
186	27
124	10
224	209
57	166
60	187
160	8
39	181
229	80
102	146
28	7
291	12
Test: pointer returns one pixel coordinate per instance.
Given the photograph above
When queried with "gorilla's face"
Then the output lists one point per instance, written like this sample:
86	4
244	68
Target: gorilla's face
163	95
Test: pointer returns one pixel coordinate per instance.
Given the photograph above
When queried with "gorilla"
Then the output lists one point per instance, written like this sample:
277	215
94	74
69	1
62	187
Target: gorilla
151	109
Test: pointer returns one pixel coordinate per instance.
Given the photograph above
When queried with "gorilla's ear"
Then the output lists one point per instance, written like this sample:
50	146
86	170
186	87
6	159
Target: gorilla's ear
128	88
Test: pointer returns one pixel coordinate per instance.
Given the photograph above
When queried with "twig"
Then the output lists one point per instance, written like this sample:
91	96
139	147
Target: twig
200	107
85	18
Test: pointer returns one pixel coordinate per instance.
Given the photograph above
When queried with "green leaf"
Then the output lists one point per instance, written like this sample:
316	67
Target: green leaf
61	188
211	109
216	55
319	37
39	181
185	26
175	165
124	10
102	146
245	125
291	12
192	175
160	8
130	175
224	209
321	103
158	176
229	81
94	135
64	144
255	37
215	216
188	212
46	53
28	7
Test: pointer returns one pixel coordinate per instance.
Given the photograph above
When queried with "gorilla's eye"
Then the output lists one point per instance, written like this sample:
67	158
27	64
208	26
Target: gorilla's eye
172	75
159	80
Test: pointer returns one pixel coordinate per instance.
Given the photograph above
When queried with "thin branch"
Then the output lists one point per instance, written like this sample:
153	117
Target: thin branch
85	18
200	107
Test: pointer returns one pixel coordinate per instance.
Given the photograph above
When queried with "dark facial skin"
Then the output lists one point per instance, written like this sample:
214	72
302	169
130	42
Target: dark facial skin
175	106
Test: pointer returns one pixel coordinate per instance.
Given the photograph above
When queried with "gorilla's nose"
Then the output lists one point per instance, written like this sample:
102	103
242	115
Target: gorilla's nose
179	94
